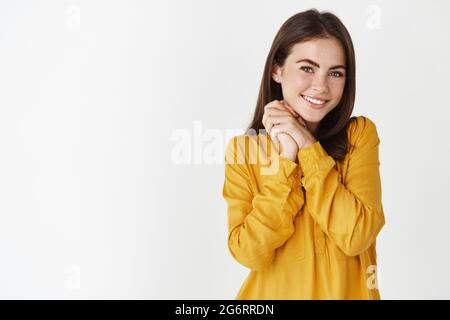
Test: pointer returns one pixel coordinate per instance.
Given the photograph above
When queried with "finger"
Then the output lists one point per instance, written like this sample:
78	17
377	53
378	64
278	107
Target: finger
269	124
285	128
275	111
287	106
302	122
276	108
272	121
274	104
271	104
274	134
266	108
278	130
287	121
279	105
265	117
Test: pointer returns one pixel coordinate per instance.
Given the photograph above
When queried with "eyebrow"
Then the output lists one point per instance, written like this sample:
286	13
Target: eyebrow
340	66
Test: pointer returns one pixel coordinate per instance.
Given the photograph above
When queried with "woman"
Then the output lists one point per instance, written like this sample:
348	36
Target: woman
305	215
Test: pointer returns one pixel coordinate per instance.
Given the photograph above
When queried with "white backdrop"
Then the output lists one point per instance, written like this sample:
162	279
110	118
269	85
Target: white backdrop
96	95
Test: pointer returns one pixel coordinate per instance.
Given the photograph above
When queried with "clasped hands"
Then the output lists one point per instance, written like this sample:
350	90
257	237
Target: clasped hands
286	128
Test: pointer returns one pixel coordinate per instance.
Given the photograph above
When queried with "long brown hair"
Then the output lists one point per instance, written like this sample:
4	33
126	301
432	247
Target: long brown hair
304	26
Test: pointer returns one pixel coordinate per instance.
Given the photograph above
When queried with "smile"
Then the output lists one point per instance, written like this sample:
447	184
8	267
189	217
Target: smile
314	102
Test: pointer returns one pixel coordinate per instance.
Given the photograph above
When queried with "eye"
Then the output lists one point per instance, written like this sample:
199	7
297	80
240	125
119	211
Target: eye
306	69
337	74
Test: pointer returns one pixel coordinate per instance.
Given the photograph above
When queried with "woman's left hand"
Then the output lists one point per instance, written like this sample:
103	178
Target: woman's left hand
296	129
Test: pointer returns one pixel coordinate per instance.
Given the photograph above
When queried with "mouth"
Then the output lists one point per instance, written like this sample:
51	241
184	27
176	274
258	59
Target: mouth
314	102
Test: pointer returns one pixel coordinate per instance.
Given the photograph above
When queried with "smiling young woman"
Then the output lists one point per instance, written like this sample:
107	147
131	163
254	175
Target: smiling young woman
308	229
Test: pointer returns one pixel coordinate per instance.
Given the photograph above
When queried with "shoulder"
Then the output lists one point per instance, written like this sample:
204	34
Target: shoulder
362	131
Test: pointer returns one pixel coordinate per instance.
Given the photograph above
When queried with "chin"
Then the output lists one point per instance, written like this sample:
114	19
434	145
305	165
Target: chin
312	117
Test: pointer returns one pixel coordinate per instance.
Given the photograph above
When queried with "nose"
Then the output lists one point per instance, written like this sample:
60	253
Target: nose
320	84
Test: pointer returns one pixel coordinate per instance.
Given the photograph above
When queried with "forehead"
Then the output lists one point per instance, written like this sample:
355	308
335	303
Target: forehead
326	52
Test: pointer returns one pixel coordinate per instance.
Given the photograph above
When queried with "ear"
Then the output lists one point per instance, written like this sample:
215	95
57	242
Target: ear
277	73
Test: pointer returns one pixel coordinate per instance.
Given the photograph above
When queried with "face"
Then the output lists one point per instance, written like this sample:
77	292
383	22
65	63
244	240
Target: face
313	78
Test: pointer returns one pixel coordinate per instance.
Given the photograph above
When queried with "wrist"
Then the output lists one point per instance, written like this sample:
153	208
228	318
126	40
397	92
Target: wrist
290	156
308	143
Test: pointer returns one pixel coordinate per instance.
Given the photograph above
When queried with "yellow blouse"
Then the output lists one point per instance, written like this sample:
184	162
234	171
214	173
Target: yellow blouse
307	230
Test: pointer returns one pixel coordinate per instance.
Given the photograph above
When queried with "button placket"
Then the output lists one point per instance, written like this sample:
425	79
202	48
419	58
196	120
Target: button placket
319	239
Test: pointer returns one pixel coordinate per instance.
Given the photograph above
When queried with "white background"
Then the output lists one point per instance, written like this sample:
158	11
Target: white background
92	203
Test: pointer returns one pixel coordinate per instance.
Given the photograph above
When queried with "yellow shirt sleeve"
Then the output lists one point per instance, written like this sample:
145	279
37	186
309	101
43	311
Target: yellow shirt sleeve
259	222
350	213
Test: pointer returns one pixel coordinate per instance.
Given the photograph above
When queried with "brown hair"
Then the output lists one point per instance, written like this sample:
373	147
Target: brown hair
304	26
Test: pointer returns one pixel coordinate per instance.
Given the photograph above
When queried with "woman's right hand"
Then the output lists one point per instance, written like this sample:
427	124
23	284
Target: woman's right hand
288	147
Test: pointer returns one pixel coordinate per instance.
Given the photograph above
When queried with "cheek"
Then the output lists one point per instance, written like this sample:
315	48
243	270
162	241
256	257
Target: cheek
302	82
337	89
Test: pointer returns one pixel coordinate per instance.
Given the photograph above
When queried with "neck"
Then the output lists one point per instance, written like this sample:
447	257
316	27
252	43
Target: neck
312	126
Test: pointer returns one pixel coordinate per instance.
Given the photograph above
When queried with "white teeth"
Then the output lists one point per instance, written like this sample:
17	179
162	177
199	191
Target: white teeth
315	101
